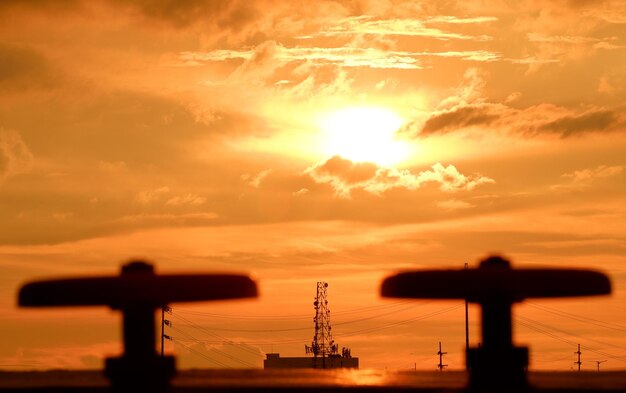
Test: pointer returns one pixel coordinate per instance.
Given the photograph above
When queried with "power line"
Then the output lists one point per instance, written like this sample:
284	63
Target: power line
308	327
574	335
301	340
200	354
223	339
218	350
359	310
403	322
596	322
569	342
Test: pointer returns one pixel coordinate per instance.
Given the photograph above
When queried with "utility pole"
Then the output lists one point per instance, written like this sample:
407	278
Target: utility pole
466	326
579	353
440	366
598	363
164	322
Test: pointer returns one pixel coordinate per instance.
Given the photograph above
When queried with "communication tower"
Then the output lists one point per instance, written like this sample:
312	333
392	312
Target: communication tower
323	345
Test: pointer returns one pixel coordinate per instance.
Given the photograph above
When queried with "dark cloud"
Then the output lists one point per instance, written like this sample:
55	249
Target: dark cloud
533	121
458	117
22	67
224	15
231	15
129	126
566	126
349	172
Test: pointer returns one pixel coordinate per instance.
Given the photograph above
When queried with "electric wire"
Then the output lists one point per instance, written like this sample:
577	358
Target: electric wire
221	338
546	332
309	328
217	350
200	354
292	316
592	321
403	322
575	335
347	334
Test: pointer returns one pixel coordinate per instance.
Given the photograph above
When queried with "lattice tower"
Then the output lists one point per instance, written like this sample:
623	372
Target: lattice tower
323	345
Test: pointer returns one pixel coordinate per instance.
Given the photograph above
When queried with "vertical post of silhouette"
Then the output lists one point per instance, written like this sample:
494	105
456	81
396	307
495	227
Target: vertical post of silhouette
578	353
598	363
466	325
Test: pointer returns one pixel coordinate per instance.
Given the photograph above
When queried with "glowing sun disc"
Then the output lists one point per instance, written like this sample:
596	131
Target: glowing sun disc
364	134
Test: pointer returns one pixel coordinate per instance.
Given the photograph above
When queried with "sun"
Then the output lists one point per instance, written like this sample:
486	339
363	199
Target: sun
364	134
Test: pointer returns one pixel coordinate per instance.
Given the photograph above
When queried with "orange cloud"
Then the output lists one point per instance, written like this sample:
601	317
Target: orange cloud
582	179
15	156
345	176
366	24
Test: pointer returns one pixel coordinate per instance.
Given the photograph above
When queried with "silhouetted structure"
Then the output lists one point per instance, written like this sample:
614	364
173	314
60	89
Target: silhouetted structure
138	292
495	286
578	362
440	366
325	351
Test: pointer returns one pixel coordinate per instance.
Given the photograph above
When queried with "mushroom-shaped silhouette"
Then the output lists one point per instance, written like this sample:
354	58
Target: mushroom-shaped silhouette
137	292
495	286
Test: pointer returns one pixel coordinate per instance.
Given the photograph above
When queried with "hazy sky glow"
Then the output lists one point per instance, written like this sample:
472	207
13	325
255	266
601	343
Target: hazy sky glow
304	141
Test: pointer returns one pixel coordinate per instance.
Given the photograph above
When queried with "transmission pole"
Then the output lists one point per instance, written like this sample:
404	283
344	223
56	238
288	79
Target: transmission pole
579	353
164	322
466	326
440	366
598	363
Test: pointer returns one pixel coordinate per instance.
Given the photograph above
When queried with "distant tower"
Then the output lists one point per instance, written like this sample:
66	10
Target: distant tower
323	345
578	353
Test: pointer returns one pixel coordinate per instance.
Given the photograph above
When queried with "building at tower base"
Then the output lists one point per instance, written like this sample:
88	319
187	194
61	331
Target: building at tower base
274	361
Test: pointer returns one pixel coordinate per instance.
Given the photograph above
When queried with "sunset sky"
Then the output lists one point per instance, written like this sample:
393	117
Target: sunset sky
312	140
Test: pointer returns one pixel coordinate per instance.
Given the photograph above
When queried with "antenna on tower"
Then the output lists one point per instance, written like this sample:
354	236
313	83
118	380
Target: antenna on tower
578	362
440	366
323	345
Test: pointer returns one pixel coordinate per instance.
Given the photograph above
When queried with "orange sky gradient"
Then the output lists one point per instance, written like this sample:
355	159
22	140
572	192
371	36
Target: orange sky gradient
303	141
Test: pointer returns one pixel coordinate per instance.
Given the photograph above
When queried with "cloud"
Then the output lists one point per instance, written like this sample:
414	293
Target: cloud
112	166
453	204
157	195
255	180
15	156
584	178
595	120
341	56
300	192
23	67
149	196
231	14
366	24
467	109
458	117
270	53
161	219
221	354
344	176
534	121
186	199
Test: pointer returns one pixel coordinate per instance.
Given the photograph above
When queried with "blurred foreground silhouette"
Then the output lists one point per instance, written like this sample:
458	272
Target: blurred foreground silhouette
496	366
